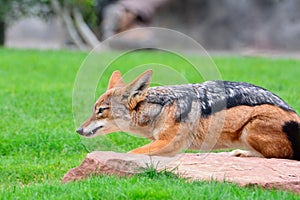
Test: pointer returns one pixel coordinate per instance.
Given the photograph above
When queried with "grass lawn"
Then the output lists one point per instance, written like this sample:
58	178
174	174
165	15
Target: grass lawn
39	144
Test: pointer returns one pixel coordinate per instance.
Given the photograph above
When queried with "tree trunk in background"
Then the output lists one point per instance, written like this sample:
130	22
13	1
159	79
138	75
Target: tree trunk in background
2	32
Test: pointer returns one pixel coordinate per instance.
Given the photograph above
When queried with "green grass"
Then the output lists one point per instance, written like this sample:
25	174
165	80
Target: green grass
39	144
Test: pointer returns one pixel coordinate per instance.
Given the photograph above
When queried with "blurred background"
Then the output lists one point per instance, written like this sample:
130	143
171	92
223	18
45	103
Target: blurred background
225	25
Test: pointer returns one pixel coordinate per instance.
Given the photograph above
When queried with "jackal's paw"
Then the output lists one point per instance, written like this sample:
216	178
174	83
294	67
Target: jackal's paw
132	152
244	153
137	151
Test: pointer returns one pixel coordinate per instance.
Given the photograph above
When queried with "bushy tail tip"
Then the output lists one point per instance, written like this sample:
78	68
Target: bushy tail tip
292	129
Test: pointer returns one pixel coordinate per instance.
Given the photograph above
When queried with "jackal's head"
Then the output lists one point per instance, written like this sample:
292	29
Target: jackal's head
111	112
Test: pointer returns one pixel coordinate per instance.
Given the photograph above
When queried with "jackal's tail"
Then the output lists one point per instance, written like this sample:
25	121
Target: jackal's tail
292	129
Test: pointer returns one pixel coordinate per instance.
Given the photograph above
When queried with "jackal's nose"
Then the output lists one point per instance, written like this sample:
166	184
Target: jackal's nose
79	130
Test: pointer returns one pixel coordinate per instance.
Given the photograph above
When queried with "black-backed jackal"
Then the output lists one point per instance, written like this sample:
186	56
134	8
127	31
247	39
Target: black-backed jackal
214	114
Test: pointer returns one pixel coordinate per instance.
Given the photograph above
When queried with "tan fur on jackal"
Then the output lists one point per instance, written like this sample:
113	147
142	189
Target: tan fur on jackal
228	115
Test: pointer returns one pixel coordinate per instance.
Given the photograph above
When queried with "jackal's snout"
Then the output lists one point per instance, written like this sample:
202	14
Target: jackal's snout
80	130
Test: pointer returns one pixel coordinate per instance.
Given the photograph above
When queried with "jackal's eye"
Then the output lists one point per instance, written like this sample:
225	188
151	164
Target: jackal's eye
101	109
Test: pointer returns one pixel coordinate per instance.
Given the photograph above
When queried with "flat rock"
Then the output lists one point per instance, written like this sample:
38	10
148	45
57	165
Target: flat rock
268	173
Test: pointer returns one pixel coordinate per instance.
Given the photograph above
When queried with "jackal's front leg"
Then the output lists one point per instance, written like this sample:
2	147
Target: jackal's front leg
170	140
163	147
158	147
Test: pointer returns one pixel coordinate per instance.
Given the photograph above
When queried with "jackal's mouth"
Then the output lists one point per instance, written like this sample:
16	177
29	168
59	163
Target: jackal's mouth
93	131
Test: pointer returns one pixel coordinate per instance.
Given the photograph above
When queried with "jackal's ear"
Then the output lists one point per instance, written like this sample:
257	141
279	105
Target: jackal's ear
136	91
115	80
